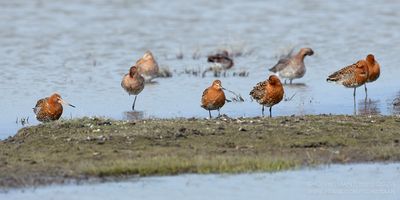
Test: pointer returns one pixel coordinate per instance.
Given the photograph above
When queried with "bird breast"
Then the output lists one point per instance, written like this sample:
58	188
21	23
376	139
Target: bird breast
132	85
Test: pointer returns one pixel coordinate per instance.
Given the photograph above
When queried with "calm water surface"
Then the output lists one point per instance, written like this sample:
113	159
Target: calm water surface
334	182
82	48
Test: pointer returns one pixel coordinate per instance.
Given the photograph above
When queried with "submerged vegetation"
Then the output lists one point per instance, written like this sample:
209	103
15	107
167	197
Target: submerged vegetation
85	148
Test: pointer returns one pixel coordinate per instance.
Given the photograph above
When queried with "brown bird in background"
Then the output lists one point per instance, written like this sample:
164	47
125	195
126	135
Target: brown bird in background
147	66
268	93
221	59
292	67
373	70
352	76
213	97
133	83
50	108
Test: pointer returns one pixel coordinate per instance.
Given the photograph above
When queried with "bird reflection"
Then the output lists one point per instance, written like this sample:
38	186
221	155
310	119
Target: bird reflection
133	115
369	107
295	85
395	104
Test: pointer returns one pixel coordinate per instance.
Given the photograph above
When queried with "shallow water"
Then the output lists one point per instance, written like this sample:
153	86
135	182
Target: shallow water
360	181
82	49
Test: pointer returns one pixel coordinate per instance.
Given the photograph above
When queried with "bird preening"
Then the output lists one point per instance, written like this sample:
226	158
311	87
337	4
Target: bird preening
268	93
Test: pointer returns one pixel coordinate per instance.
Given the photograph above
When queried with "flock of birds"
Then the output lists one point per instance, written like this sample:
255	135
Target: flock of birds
267	93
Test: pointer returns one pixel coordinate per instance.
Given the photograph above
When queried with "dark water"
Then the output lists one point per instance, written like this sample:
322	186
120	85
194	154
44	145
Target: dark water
82	48
361	181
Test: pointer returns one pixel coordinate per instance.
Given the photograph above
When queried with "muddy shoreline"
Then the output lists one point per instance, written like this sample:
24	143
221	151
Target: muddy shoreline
102	149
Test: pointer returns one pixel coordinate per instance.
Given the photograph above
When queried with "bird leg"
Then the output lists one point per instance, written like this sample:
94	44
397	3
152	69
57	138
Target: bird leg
270	112
262	110
134	101
290	81
354	100
209	113
219	113
366	93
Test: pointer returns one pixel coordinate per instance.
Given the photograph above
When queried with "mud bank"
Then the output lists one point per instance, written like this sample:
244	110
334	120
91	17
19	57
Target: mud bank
101	149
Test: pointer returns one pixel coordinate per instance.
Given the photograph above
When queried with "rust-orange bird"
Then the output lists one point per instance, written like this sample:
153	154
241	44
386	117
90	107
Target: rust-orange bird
133	83
352	76
268	93
50	108
374	70
213	97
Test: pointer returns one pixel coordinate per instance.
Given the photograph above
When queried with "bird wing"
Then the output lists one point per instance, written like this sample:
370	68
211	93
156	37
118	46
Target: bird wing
289	54
203	96
342	74
139	62
39	105
205	92
258	91
282	64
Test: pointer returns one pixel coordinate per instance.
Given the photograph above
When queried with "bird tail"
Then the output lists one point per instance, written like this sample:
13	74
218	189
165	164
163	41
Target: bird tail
334	77
273	69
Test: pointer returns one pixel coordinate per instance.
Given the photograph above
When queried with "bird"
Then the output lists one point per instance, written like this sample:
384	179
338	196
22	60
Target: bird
292	66
268	93
351	76
373	70
213	97
147	66
221	59
50	108
133	83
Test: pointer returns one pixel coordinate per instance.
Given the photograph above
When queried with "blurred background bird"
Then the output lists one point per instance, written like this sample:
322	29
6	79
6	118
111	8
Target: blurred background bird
292	66
147	66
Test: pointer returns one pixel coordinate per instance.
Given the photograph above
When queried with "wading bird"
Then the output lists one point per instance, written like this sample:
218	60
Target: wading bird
352	76
147	66
213	97
50	108
221	59
268	93
292	67
133	83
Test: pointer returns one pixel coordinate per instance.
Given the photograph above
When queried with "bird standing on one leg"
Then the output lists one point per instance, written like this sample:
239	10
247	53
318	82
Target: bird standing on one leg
268	93
50	108
213	97
352	76
133	83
